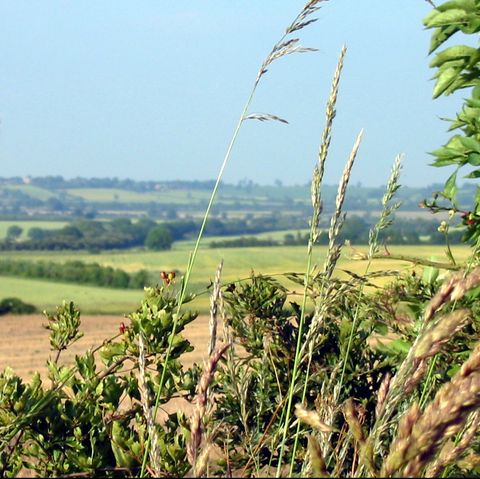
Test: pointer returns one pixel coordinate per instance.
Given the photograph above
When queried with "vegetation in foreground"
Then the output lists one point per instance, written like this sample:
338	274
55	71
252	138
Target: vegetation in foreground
345	382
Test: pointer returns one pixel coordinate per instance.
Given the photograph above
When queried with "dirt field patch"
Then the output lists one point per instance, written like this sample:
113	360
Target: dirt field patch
25	347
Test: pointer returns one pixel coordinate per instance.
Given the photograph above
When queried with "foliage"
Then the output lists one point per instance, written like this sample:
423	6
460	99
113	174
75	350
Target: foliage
243	242
15	306
86	234
14	232
457	68
90	418
159	238
78	272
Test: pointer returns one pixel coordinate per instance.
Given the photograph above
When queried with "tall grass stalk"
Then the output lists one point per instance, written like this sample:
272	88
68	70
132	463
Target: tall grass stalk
215	303
282	48
332	257
451	452
313	236
444	417
384	222
329	265
196	427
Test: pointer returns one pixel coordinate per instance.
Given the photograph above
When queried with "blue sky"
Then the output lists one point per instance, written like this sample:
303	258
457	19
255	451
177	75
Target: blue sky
153	89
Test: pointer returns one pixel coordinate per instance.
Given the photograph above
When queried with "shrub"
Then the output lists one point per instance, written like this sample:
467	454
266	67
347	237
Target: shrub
15	306
159	238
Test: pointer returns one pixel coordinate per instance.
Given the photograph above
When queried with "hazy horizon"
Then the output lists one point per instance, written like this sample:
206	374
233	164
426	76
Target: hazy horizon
26	178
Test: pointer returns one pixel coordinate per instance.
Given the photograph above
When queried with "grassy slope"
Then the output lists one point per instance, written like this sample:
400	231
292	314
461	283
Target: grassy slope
33	191
47	295
114	194
238	264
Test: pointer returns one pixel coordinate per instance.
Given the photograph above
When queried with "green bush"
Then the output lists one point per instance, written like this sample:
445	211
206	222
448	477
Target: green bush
159	238
15	306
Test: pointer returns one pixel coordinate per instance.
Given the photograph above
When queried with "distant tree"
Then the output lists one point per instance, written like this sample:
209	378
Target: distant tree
54	204
143	226
159	238
171	213
15	306
140	279
90	214
14	232
36	234
356	230
71	232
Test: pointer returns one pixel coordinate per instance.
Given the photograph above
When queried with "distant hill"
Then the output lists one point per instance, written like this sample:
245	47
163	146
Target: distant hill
53	197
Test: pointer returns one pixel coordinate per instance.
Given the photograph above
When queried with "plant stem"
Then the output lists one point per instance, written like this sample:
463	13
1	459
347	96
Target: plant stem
297	358
420	261
431	368
191	263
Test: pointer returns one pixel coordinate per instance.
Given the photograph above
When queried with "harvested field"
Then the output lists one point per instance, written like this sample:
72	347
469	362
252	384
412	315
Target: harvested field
25	347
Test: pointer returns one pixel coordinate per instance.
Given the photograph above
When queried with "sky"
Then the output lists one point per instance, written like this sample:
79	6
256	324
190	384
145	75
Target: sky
153	89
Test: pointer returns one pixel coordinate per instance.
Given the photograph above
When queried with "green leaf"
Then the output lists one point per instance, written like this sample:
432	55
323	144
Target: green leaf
445	78
473	174
86	365
467	5
110	350
470	143
474	159
456	52
455	144
472	26
444	162
441	35
436	18
476	93
430	275
451	188
453	370
381	328
394	348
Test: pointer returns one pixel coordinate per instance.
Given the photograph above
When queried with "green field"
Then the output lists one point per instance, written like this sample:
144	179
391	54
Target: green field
47	295
238	263
26	225
33	191
124	196
170	196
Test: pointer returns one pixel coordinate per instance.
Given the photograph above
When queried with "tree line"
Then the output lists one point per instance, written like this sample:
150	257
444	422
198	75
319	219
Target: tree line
77	272
92	235
356	230
123	233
